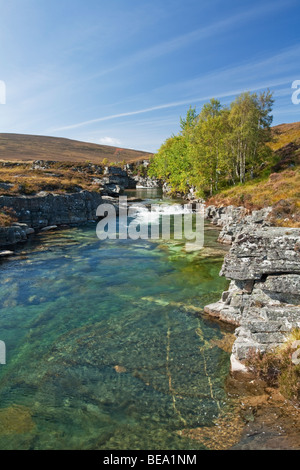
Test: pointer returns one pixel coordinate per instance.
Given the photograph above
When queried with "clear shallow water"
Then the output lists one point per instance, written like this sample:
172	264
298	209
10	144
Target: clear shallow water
106	345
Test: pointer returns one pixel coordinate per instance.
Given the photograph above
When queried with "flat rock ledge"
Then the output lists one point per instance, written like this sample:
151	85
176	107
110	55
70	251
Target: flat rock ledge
263	299
45	211
48	211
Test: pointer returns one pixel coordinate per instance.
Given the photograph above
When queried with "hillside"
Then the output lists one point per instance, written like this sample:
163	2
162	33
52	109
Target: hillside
286	145
284	134
30	164
19	147
279	186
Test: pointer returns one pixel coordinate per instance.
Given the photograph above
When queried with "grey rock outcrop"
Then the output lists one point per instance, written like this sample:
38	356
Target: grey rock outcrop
116	177
113	189
167	188
234	219
257	252
140	179
146	182
15	234
46	209
263	298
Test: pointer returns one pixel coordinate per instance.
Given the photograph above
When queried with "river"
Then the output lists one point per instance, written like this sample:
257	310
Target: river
107	347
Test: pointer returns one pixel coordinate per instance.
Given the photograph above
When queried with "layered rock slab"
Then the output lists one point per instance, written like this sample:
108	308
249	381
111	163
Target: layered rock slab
263	298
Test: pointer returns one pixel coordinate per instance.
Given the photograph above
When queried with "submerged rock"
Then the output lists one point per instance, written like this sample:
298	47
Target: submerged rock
15	420
12	235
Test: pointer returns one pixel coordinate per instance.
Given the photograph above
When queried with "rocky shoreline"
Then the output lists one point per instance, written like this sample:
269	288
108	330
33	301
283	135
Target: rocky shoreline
263	265
48	210
116	179
35	213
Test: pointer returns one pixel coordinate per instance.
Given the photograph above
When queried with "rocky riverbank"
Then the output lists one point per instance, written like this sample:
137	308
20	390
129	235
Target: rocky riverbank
263	266
116	179
36	213
263	263
48	209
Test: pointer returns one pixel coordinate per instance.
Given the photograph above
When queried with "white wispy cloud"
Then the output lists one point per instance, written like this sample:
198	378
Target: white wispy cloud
120	115
190	101
212	30
110	141
255	74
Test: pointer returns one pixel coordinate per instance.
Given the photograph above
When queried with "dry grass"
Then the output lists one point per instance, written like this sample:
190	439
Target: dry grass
280	190
7	217
284	134
61	177
277	369
69	163
19	147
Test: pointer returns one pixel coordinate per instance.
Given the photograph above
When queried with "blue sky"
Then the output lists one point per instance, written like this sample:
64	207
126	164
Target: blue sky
122	72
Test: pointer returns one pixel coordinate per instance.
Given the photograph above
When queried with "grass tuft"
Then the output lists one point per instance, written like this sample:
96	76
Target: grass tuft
278	368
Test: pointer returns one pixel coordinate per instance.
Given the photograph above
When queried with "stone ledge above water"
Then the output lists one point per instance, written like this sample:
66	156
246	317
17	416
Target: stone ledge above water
47	209
262	251
263	298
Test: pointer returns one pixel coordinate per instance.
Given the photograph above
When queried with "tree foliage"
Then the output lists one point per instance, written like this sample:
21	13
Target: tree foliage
219	146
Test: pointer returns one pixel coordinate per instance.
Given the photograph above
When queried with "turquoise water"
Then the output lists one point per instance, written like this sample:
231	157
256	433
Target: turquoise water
106	345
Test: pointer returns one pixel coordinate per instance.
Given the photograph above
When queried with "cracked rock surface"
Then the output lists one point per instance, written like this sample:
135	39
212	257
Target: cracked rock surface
263	298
